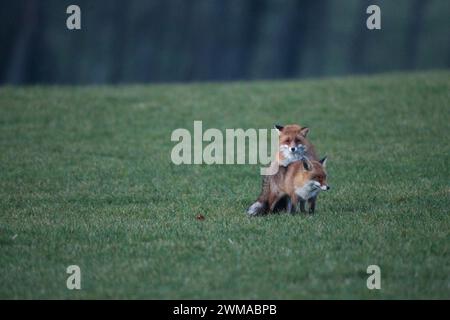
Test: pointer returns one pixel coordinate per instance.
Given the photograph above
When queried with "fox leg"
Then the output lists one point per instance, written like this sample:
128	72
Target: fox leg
289	205
292	204
273	199
312	205
302	206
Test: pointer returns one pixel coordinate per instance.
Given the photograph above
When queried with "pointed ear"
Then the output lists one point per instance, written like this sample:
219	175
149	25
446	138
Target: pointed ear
323	161
279	128
304	131
307	165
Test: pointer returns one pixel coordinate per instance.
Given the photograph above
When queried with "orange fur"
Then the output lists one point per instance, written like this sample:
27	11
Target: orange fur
274	187
295	178
293	135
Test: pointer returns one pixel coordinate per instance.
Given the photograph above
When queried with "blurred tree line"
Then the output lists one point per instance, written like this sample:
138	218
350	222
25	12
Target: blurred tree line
196	40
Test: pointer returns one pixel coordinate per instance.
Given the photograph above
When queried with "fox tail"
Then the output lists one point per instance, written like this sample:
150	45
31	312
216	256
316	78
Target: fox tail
260	206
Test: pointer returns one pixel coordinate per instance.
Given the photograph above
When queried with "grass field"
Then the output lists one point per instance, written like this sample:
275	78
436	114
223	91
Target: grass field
86	179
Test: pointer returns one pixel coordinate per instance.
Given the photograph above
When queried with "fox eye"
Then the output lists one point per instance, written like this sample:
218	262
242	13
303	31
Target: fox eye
288	141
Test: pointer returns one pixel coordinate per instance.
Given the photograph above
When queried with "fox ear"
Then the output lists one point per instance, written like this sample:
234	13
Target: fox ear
323	161
279	128
304	131
307	165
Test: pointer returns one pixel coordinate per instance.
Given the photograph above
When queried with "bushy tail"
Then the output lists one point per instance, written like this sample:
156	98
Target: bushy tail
257	208
260	206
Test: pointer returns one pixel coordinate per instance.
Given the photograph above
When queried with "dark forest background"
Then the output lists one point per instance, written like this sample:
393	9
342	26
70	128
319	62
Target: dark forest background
183	40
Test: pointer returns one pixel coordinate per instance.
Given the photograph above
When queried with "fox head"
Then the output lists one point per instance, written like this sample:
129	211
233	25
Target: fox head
311	178
292	143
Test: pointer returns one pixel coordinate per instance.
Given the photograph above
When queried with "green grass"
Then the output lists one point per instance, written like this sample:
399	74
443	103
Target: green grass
86	179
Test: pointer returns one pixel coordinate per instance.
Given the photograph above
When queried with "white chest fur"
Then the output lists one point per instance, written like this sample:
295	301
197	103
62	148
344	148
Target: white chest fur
290	156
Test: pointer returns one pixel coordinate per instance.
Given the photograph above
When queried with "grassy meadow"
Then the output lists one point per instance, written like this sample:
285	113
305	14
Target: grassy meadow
86	179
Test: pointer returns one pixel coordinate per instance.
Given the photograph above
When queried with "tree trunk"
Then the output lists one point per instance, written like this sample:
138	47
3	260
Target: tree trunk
417	14
359	43
17	70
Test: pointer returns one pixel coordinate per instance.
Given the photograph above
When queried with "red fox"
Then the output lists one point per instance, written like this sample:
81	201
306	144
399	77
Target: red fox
294	146
302	182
